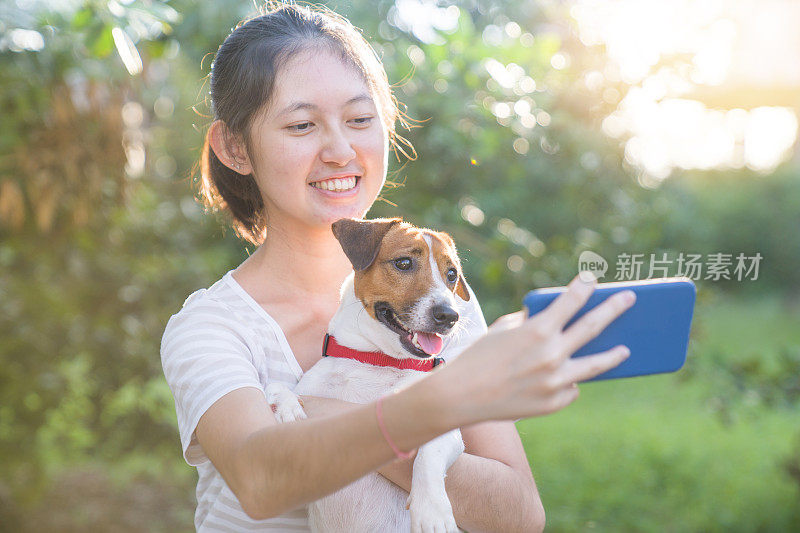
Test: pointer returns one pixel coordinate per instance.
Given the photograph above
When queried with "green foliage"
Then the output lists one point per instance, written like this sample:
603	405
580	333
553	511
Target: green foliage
750	358
739	212
650	455
94	259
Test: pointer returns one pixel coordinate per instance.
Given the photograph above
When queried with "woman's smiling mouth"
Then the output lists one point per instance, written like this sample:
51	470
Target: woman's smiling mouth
343	184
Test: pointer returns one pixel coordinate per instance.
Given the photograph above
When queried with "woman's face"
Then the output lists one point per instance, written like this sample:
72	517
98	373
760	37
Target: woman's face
319	149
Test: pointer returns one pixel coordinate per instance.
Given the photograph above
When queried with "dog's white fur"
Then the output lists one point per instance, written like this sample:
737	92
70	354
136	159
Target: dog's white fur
373	503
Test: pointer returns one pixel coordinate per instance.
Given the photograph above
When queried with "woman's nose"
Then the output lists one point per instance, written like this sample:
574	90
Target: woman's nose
338	149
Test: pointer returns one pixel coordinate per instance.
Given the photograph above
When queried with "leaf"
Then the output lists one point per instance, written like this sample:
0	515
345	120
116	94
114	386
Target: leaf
155	49
82	19
103	44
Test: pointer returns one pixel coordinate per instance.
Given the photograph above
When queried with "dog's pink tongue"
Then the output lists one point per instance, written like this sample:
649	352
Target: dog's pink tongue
431	343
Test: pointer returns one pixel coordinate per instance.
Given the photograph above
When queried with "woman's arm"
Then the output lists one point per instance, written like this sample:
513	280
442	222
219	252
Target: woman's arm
273	468
490	486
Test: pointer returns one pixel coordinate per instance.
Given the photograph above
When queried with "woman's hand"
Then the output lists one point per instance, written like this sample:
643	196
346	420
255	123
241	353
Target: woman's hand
522	367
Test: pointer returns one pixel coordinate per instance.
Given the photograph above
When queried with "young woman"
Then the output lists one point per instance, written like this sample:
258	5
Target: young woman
304	119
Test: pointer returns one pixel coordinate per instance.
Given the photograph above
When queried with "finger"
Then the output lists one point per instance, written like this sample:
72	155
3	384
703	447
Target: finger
560	310
560	399
589	366
509	321
595	321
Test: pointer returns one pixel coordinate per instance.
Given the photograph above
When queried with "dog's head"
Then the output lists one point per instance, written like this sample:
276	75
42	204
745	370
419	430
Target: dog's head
406	278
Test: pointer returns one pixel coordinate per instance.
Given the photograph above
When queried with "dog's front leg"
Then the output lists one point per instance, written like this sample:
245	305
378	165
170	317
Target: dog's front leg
428	502
284	403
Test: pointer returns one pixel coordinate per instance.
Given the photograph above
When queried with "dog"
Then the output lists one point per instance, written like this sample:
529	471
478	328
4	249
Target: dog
399	301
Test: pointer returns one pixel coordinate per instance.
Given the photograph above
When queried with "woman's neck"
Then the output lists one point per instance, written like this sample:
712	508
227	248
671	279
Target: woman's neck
295	265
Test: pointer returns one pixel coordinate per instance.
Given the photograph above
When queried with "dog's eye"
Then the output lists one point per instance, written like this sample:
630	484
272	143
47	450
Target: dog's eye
452	275
403	263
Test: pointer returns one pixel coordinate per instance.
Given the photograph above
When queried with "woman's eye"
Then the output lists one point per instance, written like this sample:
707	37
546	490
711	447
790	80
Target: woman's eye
362	121
404	263
452	275
303	126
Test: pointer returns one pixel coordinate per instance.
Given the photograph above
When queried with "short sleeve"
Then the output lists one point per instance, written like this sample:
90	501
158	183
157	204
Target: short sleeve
205	354
471	326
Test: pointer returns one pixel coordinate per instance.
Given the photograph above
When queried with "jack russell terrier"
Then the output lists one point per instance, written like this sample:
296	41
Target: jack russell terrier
397	309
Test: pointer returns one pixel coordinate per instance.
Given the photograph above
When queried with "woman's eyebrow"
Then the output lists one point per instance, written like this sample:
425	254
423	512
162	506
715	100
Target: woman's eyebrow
296	106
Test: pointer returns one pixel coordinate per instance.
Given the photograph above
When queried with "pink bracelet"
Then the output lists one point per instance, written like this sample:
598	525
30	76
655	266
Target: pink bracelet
397	452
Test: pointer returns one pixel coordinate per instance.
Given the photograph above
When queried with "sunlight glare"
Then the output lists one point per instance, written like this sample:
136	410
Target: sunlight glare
690	115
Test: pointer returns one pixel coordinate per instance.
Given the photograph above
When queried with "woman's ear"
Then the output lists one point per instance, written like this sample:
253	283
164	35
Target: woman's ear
229	148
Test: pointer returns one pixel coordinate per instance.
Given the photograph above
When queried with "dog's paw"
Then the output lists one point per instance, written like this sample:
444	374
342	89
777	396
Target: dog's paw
284	403
431	513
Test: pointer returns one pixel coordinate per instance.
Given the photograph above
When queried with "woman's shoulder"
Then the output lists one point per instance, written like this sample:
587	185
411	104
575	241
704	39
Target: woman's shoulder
214	298
217	308
226	315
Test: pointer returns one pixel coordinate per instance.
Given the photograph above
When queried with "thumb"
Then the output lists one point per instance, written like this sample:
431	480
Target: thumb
505	322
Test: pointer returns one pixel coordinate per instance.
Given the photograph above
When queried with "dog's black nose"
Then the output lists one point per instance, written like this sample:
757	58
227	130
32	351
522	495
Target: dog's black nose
444	315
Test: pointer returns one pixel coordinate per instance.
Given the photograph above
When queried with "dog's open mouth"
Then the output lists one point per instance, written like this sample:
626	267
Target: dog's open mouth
422	344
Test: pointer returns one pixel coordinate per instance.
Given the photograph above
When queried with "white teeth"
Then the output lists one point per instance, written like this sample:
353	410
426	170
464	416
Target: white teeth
337	184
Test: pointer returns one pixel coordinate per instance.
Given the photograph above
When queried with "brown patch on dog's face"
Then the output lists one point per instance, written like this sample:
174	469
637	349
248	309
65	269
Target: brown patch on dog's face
447	258
402	273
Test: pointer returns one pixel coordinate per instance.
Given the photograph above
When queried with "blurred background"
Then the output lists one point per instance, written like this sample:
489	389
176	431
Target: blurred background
547	128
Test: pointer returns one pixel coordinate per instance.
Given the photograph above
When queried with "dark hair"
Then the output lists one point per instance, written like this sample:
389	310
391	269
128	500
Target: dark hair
242	80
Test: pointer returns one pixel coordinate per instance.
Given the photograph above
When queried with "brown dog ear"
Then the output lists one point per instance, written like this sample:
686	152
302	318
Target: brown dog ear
361	239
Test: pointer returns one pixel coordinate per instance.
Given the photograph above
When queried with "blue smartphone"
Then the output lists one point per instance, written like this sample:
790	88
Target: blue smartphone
655	329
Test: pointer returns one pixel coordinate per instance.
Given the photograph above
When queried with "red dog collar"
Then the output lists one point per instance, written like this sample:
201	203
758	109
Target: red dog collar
331	348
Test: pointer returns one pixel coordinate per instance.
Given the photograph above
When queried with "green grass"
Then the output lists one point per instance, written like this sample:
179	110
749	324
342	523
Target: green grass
746	327
659	454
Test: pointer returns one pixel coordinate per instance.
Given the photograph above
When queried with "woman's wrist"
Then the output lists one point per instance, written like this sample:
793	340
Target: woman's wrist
453	399
428	408
382	425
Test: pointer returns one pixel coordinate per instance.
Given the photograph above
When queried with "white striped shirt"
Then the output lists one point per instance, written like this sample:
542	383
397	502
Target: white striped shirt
223	340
